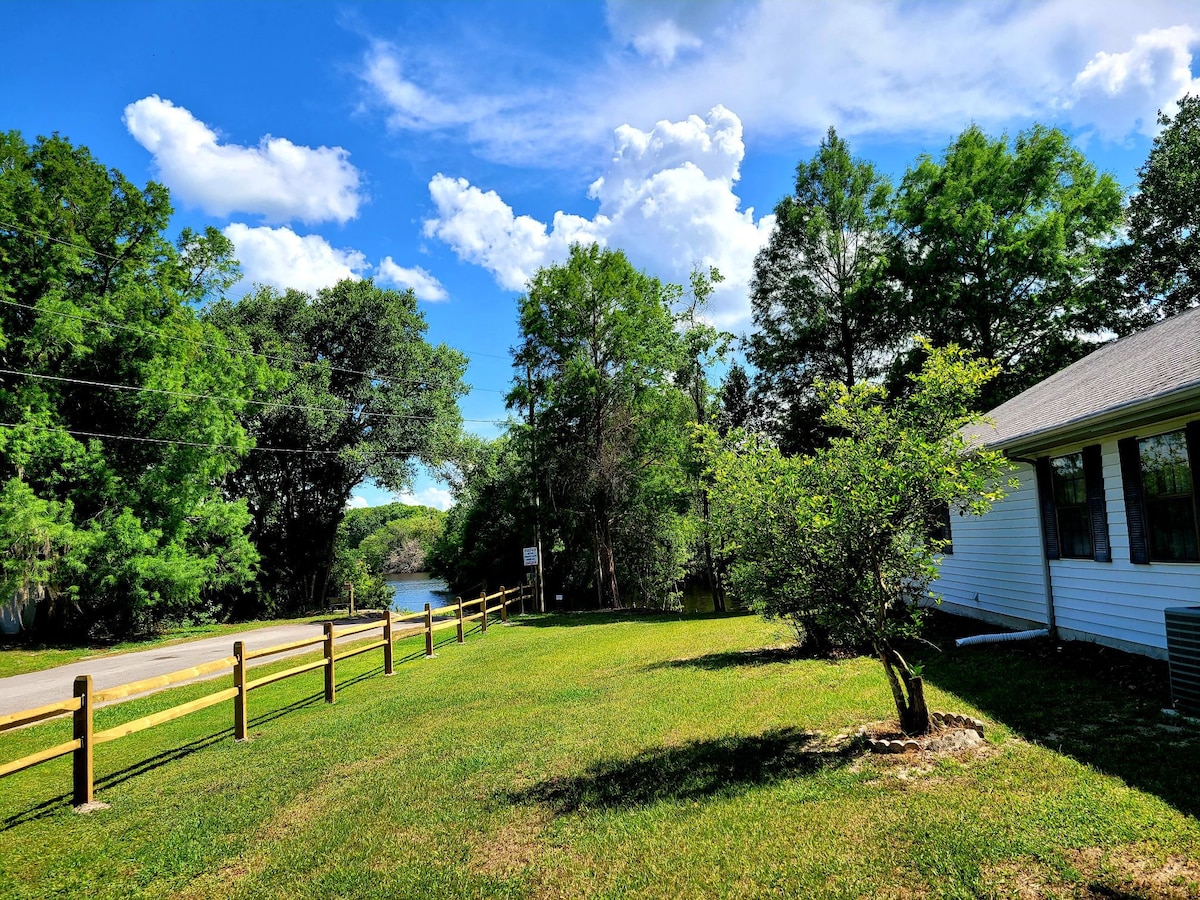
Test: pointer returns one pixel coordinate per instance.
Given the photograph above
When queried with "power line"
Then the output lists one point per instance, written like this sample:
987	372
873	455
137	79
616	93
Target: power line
195	396
96	252
147	440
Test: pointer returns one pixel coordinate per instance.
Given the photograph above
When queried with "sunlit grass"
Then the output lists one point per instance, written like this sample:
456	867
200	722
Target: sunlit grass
603	756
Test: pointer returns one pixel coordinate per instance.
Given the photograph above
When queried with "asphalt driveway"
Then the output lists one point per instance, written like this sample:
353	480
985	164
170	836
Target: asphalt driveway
19	692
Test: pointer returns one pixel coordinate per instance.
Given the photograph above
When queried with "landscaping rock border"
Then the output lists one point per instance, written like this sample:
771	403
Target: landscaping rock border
970	734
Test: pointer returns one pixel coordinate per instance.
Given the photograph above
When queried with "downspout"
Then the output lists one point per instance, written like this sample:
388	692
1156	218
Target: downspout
1051	627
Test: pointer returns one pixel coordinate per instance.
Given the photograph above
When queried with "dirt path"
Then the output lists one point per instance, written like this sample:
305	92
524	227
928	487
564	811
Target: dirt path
19	692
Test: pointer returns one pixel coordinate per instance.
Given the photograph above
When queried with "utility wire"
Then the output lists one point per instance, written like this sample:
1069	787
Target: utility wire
147	440
266	403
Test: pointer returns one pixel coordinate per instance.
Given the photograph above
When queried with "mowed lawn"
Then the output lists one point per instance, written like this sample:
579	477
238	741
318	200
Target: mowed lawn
620	756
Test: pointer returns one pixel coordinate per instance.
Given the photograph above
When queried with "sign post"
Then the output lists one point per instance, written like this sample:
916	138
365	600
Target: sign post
533	560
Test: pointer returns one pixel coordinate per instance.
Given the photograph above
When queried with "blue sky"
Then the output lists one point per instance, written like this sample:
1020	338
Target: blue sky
455	147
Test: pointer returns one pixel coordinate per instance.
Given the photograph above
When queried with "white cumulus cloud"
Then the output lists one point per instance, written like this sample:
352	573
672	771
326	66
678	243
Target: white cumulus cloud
281	258
424	285
1115	91
276	179
881	68
357	502
667	199
438	498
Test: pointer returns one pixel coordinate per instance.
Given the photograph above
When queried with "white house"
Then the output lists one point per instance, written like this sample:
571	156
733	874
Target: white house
1102	535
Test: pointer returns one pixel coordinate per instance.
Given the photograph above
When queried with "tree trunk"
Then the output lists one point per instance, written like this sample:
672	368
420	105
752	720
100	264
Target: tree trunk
714	578
908	690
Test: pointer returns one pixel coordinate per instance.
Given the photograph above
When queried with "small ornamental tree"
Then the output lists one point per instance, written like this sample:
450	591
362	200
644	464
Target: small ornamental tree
841	543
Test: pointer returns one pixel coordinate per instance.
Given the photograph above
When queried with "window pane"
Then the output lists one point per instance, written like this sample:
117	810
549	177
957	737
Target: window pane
1169	505
1069	487
1165	469
1070	506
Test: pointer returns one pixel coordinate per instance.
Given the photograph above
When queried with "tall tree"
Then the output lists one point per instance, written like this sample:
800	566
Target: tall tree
358	393
597	352
1159	268
119	406
999	249
823	309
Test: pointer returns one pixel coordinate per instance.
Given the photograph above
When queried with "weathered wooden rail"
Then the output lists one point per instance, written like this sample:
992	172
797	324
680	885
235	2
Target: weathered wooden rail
81	706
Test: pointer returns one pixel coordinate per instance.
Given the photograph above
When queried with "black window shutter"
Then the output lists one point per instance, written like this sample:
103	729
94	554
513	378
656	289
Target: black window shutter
1093	479
1135	511
1046	504
1193	448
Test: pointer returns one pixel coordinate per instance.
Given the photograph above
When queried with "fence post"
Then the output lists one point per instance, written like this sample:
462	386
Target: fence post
521	601
458	600
82	769
483	606
428	632
329	693
240	701
387	636
503	605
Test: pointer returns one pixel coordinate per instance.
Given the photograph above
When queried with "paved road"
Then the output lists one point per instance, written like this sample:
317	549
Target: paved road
38	688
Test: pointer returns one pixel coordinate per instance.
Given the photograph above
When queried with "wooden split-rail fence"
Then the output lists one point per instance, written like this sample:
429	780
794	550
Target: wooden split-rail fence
86	698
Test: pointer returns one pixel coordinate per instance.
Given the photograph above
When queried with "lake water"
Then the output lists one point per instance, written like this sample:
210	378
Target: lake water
411	592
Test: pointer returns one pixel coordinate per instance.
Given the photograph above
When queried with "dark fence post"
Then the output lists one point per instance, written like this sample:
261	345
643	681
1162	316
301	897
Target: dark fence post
83	780
458	600
329	689
241	701
428	632
387	636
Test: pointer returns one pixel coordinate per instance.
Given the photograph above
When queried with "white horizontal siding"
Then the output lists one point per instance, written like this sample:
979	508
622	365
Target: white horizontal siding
996	567
1120	602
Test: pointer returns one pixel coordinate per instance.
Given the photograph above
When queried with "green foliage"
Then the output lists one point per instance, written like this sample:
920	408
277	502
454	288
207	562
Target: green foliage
823	307
1160	266
356	388
113	517
491	520
596	361
838	543
999	246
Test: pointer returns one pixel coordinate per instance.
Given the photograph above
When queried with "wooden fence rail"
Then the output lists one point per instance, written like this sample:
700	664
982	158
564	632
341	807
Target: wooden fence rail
82	705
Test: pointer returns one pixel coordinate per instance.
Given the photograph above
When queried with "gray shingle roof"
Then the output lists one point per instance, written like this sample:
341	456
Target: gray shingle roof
1125	380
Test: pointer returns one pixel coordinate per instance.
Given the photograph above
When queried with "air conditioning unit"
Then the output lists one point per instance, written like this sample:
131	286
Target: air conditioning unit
1183	653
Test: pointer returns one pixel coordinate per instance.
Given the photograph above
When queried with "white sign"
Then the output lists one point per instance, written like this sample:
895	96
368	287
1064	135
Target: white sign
530	556
558	598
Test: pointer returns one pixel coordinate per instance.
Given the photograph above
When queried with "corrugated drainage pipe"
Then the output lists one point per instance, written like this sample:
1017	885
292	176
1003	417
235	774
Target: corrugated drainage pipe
1001	638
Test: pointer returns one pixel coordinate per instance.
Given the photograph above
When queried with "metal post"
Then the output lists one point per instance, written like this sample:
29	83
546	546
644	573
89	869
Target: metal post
483	606
82	770
458	600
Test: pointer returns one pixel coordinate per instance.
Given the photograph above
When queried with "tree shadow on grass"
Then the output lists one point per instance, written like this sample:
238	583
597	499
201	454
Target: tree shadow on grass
1097	705
720	767
730	659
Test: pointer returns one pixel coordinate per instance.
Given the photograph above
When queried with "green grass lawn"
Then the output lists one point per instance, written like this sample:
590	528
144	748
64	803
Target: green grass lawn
17	658
624	756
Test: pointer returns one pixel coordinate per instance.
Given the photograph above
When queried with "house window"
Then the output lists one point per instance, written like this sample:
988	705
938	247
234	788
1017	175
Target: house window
1167	497
1071	506
940	532
1073	509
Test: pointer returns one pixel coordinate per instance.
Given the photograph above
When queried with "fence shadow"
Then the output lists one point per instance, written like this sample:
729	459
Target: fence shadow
721	767
1097	705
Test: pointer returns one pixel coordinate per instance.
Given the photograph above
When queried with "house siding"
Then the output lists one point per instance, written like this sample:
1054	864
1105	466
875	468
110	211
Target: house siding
1120	603
996	570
